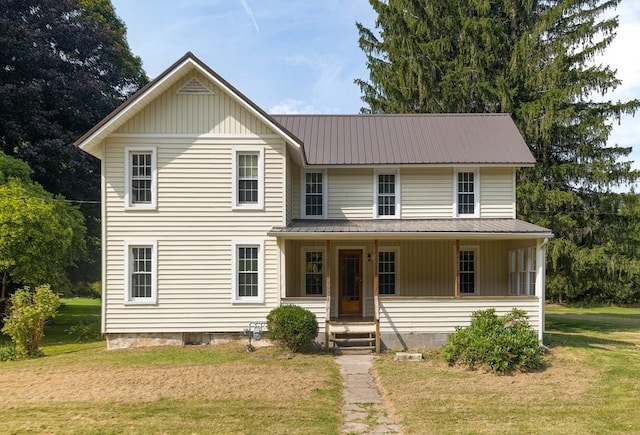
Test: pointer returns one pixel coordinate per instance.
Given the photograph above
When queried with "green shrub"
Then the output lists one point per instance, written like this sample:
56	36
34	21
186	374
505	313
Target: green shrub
8	352
501	343
26	314
292	326
83	332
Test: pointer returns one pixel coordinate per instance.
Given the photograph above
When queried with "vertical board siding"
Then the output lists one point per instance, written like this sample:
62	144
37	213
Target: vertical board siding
194	225
172	113
406	315
350	193
497	197
426	193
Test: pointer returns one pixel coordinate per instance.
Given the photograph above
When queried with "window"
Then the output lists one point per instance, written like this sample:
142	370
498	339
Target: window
248	179
387	272
513	273
247	271
313	194
386	195
468	259
522	272
140	175
466	193
532	271
140	280
313	272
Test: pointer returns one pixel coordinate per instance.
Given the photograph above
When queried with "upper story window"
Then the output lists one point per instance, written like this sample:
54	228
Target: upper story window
466	193
314	198
140	286
248	271
248	179
386	195
140	178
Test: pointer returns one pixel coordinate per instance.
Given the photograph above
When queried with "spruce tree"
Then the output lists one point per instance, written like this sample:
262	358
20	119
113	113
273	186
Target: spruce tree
535	60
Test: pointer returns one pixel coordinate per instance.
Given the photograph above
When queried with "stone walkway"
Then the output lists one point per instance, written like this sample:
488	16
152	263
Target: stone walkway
362	409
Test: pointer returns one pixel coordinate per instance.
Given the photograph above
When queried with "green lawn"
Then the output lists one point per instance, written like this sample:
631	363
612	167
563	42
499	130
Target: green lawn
591	385
83	388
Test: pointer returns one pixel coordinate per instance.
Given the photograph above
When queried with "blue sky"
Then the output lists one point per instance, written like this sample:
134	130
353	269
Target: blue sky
301	56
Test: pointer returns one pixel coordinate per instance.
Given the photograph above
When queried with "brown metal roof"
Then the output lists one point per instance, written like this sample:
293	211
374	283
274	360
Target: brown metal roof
408	139
463	228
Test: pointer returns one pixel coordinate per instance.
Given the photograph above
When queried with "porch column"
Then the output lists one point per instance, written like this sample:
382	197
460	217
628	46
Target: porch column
282	264
540	282
376	293
327	286
457	263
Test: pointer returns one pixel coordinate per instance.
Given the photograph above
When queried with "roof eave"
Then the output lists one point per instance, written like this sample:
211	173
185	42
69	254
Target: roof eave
90	140
407	235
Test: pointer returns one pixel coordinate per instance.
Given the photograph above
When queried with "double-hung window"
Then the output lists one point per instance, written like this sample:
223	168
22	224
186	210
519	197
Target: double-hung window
313	273
522	272
140	279
140	178
531	270
386	195
468	262
314	194
248	179
248	271
466	191
387	272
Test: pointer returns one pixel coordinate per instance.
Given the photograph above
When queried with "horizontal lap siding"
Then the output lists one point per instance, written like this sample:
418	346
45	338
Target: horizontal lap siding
497	197
350	193
173	113
406	315
194	226
427	193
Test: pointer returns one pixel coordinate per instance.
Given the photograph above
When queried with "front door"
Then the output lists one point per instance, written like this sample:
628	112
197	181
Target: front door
350	287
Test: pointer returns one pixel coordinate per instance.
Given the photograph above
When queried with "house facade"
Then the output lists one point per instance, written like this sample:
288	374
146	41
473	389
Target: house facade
393	226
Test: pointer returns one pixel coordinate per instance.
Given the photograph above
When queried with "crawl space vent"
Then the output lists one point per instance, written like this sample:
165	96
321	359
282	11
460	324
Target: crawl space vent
194	87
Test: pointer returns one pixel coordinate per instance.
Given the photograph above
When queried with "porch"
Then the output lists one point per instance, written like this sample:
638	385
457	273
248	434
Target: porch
411	291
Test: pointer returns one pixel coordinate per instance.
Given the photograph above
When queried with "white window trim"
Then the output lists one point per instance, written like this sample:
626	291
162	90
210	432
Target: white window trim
303	194
476	193
532	254
303	272
153	244
476	259
396	173
396	250
128	205
235	244
247	150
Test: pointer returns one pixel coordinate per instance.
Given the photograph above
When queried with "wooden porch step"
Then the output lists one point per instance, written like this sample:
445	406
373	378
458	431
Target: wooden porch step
350	340
354	350
352	328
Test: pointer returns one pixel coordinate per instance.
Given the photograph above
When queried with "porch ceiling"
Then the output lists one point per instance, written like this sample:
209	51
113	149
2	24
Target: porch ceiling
411	228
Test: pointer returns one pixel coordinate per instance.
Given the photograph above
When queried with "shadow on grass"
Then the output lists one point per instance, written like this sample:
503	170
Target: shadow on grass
553	339
593	322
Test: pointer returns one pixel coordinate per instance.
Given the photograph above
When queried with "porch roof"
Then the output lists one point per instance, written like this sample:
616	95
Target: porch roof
411	228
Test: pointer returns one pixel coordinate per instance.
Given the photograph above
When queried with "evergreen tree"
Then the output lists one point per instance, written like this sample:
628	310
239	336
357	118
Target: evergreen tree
534	59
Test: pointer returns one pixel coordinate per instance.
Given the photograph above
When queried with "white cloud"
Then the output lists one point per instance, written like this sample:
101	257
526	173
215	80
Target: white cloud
290	106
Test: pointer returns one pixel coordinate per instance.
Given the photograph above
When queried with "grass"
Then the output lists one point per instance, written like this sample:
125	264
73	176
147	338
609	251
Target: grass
591	383
83	388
